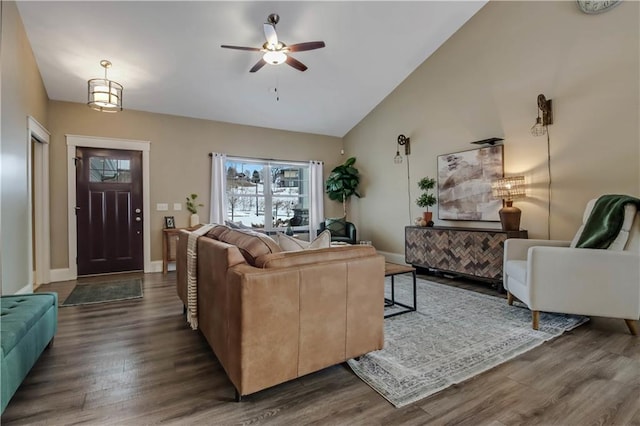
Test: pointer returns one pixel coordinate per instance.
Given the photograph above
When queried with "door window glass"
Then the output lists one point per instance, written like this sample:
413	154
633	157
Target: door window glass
104	169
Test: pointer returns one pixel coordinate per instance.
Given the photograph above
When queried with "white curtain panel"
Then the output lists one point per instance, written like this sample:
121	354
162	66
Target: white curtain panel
218	207
316	212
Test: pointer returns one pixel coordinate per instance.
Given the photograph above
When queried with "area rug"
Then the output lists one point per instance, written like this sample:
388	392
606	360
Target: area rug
106	291
454	335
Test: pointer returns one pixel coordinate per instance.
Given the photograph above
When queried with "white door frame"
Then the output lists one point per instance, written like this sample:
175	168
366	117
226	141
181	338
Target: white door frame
74	141
38	158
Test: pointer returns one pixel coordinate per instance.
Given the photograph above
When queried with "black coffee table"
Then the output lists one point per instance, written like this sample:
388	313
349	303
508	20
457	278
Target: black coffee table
391	270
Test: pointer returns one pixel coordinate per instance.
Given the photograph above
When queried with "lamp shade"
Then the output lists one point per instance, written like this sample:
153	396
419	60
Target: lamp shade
103	94
508	188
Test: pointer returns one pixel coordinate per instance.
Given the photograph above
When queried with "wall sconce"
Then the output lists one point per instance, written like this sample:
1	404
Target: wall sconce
508	189
105	95
544	105
402	141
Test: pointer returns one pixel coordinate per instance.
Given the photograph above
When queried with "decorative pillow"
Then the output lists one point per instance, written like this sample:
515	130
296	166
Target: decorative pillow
323	240
217	231
250	243
288	243
336	225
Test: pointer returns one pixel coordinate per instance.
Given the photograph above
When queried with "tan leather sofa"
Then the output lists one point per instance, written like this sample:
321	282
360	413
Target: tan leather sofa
273	316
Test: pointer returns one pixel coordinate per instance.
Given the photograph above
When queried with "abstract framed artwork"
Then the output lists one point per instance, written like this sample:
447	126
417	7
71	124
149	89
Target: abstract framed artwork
464	184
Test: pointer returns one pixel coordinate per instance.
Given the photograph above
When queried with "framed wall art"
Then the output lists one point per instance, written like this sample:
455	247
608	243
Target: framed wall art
464	184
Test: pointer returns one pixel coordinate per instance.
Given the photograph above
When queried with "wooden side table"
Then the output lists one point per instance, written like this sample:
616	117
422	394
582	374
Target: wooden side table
169	245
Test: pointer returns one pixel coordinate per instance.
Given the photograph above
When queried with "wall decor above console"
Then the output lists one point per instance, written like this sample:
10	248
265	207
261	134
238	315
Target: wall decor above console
594	6
464	184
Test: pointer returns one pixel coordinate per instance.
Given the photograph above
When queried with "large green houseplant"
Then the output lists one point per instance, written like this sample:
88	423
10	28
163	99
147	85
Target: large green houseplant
426	199
343	182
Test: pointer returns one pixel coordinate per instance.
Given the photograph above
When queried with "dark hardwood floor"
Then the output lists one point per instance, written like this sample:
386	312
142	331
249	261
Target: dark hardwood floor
136	362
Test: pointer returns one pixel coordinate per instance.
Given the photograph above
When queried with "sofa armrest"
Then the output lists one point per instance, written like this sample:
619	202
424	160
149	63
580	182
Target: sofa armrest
584	281
516	248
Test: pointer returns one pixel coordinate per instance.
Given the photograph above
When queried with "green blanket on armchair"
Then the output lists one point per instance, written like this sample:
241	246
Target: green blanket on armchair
605	221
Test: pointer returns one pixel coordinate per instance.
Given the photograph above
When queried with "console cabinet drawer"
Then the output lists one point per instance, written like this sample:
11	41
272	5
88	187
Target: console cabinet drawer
476	253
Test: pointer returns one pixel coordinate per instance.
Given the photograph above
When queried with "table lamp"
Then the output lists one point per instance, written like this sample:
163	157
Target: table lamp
509	188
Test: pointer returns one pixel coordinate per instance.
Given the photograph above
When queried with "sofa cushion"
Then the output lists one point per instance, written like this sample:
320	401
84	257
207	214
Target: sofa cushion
217	231
337	226
287	243
18	313
288	259
250	243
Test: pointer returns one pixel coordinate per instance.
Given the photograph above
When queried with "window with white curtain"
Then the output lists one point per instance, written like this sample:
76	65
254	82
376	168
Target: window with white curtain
268	195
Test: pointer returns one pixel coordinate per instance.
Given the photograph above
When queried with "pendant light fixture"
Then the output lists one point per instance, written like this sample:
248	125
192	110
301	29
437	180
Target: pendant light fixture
105	95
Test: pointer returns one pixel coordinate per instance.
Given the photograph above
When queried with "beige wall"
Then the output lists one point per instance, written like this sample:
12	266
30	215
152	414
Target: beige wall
483	82
23	95
179	161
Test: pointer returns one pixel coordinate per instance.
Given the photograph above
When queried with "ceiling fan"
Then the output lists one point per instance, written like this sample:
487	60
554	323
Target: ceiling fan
275	51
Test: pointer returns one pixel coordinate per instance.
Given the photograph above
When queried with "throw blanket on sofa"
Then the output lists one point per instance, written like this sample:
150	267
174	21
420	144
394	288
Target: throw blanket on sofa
192	274
605	221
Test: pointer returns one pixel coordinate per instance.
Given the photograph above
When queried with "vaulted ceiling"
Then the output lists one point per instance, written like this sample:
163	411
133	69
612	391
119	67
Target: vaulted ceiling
167	55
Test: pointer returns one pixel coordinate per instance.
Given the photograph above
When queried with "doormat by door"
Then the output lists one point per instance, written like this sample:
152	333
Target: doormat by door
106	291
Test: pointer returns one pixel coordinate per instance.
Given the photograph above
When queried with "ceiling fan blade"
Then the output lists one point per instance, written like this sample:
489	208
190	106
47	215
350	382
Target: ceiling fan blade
270	34
310	45
253	49
296	64
261	63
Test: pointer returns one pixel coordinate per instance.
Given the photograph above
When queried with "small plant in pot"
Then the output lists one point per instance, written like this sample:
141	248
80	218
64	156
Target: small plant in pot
192	206
426	199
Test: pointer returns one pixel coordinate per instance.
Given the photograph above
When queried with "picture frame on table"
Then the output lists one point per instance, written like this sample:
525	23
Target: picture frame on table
169	222
464	184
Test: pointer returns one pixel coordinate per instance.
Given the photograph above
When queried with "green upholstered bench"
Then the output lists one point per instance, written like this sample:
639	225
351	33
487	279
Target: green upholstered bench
28	323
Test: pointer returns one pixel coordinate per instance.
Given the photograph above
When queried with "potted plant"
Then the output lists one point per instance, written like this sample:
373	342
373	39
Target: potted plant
343	182
192	206
426	199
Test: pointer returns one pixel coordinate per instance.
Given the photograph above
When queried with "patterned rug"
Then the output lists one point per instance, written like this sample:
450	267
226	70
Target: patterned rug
106	291
455	334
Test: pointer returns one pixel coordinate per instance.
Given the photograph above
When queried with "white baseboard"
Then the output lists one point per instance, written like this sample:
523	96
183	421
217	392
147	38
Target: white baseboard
393	257
27	289
65	274
156	266
57	275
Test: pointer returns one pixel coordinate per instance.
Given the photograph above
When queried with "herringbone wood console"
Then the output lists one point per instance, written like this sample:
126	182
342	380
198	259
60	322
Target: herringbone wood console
476	253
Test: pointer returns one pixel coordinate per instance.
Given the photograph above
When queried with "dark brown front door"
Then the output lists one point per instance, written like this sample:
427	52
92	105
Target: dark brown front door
109	210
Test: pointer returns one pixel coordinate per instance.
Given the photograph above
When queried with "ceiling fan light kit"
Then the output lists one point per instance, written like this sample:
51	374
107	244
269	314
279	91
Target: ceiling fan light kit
274	57
276	52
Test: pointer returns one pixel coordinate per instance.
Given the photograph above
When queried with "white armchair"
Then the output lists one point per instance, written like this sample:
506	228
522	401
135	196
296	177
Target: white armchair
554	276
